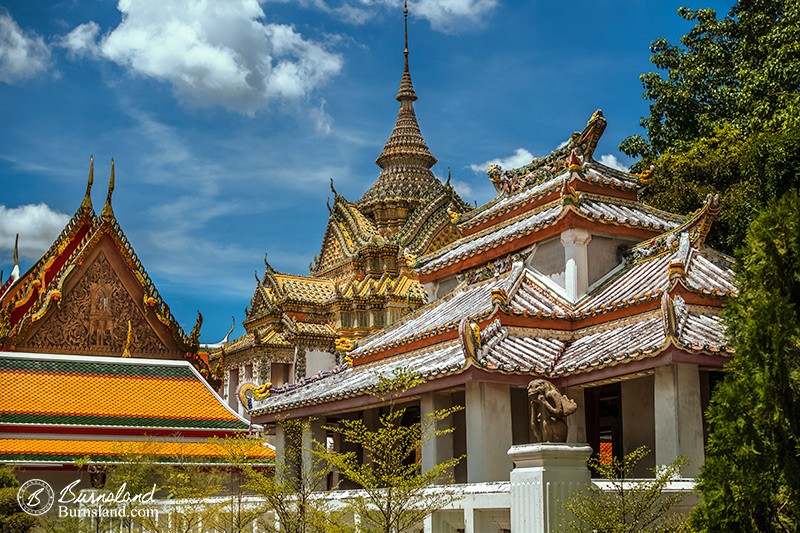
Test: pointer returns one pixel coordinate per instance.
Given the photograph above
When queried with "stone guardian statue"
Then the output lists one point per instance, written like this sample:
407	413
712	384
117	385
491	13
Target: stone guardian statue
549	408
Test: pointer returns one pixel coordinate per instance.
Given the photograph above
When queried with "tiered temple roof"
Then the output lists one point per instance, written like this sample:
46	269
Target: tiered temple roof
61	408
659	302
361	279
89	294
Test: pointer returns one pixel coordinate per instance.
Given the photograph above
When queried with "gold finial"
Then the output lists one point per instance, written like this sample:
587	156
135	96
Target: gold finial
86	205
448	176
127	351
16	251
108	213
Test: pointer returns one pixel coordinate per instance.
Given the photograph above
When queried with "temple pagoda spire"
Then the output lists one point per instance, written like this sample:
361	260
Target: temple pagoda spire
406	178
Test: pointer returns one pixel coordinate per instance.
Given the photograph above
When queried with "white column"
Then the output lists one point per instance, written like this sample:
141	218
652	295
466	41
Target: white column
488	414
436	449
280	451
576	257
475	521
233	389
678	416
313	435
544	477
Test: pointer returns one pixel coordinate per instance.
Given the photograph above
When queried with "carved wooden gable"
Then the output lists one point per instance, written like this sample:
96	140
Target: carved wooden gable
92	319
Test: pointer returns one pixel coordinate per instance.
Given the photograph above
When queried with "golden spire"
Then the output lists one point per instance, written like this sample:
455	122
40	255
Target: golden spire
406	91
127	351
16	251
86	205
108	212
405	160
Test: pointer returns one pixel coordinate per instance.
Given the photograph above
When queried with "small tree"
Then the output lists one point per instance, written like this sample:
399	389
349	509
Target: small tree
395	497
12	518
185	483
295	495
632	506
236	515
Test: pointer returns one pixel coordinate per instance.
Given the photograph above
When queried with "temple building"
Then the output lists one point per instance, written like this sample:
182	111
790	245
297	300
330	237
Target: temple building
59	409
90	295
361	280
565	275
93	364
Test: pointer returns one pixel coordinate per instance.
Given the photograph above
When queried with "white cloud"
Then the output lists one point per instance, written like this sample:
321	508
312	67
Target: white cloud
448	15
23	55
463	189
212	53
611	160
82	40
37	224
519	158
323	122
444	15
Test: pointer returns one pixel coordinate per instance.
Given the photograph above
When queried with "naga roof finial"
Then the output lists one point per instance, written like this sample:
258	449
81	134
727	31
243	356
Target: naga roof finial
332	189
14	271
108	212
448	176
86	204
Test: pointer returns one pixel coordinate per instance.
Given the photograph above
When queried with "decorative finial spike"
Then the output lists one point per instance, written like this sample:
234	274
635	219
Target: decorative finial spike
406	92
108	212
86	204
405	21
448	175
16	251
332	189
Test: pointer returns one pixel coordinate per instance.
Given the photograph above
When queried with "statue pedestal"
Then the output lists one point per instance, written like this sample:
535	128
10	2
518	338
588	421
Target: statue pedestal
544	477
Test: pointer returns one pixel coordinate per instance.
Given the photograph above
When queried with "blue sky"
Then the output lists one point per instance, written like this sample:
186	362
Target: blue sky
227	119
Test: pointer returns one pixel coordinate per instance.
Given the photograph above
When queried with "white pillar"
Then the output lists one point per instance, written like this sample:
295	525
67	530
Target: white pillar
544	478
280	451
436	449
313	435
488	414
678	416
576	257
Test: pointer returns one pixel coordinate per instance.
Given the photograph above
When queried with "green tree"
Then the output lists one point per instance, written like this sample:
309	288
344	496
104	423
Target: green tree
631	506
724	114
295	493
12	518
394	497
238	513
751	477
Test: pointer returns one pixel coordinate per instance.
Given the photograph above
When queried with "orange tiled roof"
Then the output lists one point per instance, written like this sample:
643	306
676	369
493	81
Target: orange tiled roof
69	450
112	392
